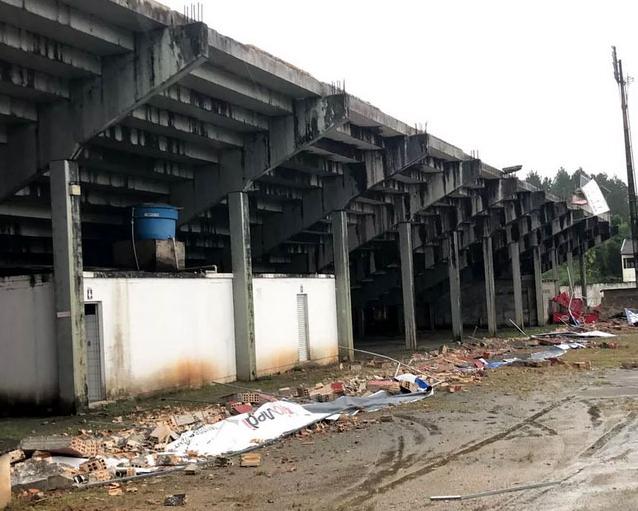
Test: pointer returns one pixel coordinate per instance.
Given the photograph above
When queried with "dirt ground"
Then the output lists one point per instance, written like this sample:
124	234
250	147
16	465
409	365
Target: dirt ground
519	426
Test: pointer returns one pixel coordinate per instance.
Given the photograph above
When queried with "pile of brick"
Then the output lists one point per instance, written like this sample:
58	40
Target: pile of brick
617	325
53	462
136	444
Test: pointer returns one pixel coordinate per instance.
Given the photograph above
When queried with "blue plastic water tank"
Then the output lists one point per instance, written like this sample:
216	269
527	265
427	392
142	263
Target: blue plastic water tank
154	221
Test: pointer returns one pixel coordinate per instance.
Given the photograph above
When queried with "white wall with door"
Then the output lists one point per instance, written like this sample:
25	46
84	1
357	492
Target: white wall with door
150	334
295	319
162	333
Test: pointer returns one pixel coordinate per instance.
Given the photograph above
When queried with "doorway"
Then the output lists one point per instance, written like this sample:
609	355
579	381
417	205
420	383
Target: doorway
94	365
302	325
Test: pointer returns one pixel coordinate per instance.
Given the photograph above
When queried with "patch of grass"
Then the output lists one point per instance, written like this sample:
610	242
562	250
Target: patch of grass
607	358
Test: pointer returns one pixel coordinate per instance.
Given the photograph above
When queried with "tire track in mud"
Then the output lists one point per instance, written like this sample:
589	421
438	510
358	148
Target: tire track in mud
392	460
375	486
608	435
516	501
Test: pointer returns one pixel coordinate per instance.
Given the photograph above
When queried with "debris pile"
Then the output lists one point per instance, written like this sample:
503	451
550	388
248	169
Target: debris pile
573	311
176	438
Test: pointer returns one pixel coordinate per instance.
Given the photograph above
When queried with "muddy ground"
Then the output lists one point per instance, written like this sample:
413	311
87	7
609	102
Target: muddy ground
519	426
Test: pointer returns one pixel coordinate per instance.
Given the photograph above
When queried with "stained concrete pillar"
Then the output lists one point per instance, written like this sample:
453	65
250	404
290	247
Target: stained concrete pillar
555	274
407	284
570	265
582	266
244	310
68	284
517	286
490	289
541	314
342	284
361	322
454	276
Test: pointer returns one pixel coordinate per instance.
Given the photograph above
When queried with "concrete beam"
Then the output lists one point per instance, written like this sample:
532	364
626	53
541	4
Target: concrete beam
382	284
17	110
342	284
453	178
208	109
160	59
255	64
167	123
243	306
287	137
460	173
141	142
133	164
398	155
22	82
134	15
234	89
407	285
64	23
69	292
44	54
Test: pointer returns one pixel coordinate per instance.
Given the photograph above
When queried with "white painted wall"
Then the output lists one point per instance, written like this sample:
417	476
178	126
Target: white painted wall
161	333
596	292
276	328
28	357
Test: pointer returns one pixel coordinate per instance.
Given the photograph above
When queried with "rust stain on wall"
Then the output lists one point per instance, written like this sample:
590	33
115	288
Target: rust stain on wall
275	361
182	373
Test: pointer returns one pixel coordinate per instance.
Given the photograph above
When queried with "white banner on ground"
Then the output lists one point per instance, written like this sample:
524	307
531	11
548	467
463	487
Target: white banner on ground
595	198
246	431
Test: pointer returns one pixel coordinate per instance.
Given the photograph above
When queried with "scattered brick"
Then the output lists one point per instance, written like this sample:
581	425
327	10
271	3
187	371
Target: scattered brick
250	459
92	465
69	446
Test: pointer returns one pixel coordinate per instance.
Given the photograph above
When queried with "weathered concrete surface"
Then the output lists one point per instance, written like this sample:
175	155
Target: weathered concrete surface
342	284
125	82
68	281
243	305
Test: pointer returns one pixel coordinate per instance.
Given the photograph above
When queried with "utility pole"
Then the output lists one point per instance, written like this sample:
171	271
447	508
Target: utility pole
622	82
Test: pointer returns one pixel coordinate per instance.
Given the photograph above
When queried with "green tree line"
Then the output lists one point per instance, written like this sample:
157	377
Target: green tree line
603	261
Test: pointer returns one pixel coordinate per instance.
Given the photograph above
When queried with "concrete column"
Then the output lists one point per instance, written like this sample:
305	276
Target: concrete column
431	316
361	322
490	290
517	283
555	273
582	263
570	264
407	284
244	311
342	283
68	285
538	288
455	285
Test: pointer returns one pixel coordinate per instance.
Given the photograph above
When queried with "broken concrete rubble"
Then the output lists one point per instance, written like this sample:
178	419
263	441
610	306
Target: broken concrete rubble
71	446
147	447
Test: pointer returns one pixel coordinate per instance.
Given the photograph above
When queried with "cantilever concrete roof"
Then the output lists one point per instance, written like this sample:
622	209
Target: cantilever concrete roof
314	148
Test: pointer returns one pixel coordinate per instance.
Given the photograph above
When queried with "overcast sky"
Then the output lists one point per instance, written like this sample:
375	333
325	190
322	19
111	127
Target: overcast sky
522	82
